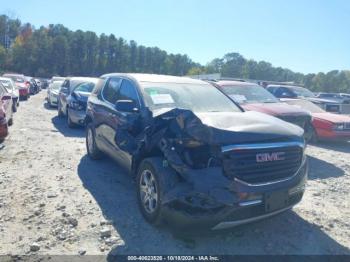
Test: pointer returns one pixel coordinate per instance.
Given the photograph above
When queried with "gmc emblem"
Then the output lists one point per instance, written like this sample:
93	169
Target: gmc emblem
269	157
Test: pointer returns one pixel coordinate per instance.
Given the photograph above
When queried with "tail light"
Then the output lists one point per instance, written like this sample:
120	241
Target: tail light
27	84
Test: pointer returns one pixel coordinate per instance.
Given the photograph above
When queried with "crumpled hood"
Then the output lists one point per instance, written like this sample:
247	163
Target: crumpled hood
246	127
275	109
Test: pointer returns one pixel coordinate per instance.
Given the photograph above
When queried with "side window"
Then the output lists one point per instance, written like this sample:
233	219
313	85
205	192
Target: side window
110	91
65	83
128	92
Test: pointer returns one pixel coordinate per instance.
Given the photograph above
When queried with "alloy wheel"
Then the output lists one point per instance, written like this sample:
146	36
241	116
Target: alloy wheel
148	191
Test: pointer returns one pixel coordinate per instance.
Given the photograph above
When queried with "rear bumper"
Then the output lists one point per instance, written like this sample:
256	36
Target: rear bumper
242	203
77	116
23	92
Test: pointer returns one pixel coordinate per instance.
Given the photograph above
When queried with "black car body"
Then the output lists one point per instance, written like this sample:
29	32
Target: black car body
77	101
66	89
197	162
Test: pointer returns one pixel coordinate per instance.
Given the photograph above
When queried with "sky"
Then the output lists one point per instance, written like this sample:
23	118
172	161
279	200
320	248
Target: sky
306	36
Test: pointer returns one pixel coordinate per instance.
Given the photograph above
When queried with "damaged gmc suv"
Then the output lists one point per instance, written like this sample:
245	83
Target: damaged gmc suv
198	158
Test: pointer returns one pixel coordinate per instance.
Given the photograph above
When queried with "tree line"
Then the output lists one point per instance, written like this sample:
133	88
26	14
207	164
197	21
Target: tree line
56	50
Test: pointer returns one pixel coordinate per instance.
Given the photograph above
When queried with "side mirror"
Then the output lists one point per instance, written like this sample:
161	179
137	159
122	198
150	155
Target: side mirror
126	106
6	97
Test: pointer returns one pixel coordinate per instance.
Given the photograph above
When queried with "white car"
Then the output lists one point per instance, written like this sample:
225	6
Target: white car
52	92
12	89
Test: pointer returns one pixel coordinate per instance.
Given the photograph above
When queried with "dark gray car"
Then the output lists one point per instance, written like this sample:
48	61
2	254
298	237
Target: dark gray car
66	89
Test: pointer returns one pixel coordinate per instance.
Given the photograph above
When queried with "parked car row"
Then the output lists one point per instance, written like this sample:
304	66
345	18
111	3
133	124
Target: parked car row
199	159
204	153
13	88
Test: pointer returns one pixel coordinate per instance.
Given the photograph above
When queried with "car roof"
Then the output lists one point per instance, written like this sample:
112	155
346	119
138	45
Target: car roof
156	78
6	78
81	78
234	83
287	86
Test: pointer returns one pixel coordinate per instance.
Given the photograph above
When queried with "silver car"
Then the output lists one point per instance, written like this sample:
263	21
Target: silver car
52	92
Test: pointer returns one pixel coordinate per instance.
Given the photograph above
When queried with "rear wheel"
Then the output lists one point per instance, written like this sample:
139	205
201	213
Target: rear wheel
91	147
14	107
10	122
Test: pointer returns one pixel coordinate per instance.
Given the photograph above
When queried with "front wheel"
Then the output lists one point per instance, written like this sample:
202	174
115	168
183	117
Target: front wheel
149	192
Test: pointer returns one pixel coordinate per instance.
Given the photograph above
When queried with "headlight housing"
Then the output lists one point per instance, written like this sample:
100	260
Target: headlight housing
339	126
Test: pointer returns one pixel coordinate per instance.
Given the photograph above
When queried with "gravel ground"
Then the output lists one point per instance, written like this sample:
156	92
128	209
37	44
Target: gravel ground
55	200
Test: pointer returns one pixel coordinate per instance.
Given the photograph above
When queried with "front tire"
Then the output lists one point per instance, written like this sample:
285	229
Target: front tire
91	146
149	192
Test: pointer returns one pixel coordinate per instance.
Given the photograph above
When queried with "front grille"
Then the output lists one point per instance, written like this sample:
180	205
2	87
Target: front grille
243	164
301	121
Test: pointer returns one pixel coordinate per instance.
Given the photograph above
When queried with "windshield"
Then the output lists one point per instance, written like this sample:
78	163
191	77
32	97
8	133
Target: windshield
85	87
194	97
56	85
302	92
306	105
249	94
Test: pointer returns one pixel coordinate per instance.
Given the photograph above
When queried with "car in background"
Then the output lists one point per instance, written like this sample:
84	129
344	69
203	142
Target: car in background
66	89
326	125
12	89
338	97
33	86
22	84
38	82
77	102
288	91
252	97
6	114
44	83
52	92
198	158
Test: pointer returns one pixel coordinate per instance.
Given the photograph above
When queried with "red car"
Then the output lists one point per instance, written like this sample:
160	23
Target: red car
5	112
22	84
252	97
326	126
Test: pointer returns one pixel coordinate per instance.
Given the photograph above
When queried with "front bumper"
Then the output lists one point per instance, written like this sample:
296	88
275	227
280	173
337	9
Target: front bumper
53	99
240	203
77	116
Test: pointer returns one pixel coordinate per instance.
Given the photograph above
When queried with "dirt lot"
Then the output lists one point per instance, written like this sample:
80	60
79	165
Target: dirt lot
54	199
